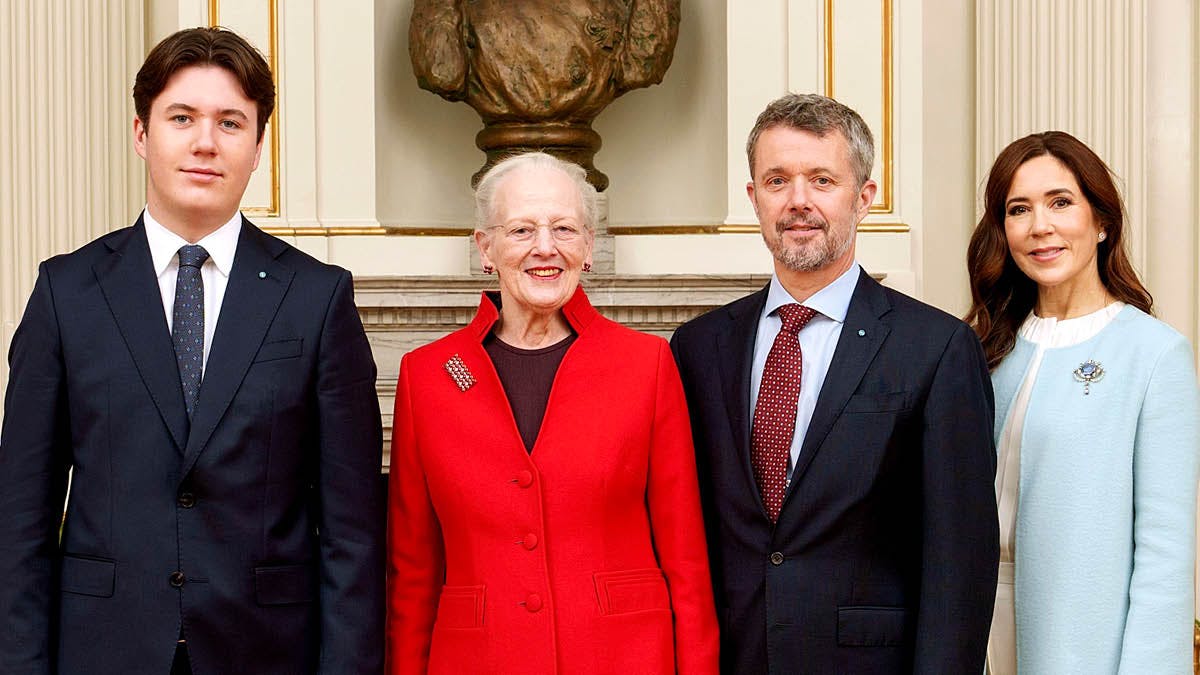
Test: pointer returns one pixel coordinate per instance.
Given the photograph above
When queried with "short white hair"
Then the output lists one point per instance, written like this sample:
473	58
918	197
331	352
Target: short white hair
485	191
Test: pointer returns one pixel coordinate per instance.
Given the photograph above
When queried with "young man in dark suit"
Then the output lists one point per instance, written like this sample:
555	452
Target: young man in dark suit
211	394
843	435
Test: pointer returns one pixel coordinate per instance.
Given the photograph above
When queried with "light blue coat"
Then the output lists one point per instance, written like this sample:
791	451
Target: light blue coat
1105	533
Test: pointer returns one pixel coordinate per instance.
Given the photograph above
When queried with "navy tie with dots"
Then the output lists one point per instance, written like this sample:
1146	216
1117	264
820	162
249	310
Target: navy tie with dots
187	324
775	412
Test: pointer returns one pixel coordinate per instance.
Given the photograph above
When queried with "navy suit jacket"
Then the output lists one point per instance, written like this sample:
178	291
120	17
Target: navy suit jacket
884	556
255	529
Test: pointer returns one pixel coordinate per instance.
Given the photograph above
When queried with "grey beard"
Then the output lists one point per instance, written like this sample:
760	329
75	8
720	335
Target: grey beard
808	258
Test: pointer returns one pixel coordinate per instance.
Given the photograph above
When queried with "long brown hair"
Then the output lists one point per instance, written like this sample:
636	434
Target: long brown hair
1001	295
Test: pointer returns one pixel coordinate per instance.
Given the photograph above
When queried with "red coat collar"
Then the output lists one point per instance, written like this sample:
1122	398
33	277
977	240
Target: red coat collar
578	311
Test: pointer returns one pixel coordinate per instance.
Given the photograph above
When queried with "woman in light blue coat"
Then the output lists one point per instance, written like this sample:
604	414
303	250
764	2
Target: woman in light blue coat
1097	426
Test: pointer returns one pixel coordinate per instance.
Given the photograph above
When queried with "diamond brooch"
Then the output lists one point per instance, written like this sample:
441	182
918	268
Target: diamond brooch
459	373
1088	372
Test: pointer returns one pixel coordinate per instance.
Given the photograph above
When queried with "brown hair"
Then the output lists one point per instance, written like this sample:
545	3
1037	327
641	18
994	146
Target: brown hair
1001	295
206	47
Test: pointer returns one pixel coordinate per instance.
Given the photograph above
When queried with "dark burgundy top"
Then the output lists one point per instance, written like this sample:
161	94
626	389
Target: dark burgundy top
527	375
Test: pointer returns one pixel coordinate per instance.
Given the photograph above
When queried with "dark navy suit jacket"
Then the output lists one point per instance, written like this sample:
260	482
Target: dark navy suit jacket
885	553
255	529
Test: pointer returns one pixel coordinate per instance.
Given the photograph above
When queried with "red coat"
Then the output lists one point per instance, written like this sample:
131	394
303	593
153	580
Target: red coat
586	556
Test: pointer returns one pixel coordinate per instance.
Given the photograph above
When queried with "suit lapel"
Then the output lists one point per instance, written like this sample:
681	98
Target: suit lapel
851	357
127	280
735	347
250	303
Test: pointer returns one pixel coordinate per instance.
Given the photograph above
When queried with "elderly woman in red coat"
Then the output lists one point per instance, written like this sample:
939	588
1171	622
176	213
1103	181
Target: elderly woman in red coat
544	514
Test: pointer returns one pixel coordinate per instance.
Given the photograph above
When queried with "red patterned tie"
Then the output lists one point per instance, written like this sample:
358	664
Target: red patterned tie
775	412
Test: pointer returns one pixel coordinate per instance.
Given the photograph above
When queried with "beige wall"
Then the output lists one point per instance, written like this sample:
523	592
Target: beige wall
947	170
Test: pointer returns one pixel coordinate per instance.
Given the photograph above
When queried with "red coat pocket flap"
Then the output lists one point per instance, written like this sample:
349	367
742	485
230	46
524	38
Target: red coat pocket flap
632	591
460	607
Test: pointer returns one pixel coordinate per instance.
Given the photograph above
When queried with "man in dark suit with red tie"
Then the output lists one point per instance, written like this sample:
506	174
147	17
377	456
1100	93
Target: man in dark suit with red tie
843	434
210	393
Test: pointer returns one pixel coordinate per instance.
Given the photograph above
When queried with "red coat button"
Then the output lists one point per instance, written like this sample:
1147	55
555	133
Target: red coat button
533	602
530	541
524	478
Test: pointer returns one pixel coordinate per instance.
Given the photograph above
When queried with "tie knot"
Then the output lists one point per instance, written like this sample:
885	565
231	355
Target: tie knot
192	256
795	316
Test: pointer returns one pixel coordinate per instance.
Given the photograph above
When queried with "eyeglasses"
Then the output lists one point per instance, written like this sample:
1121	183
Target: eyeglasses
561	231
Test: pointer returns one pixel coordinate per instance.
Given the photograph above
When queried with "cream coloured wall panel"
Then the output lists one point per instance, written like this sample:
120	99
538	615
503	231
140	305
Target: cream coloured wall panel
664	146
859	80
425	145
258	23
692	254
946	191
757	72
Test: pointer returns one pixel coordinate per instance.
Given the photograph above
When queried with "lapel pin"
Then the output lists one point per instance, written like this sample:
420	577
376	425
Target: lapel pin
262	275
459	373
862	333
1088	372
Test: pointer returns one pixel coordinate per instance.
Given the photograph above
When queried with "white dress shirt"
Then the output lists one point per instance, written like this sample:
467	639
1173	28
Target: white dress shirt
818	339
221	244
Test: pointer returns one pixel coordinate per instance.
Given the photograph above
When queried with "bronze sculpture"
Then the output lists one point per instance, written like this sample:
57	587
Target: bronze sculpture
539	71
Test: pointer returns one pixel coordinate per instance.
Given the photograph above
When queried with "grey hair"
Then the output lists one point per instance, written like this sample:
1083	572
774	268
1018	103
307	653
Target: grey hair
818	115
485	191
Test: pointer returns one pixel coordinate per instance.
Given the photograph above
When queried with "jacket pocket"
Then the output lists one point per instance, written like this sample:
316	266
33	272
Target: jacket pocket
279	349
284	584
872	626
88	576
632	591
460	607
879	402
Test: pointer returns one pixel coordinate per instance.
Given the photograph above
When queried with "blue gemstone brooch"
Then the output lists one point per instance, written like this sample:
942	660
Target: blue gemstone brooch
459	373
1088	372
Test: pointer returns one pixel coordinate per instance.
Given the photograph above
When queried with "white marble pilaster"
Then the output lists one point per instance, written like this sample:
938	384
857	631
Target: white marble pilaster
68	172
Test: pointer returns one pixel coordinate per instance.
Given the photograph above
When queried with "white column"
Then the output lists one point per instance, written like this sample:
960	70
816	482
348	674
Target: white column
68	172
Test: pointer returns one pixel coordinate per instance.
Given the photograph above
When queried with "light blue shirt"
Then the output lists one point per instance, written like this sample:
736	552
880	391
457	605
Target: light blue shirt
818	339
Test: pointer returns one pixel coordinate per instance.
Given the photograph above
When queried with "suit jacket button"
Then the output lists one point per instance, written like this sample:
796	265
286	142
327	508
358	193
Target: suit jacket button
177	579
524	478
533	602
530	541
187	500
777	558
